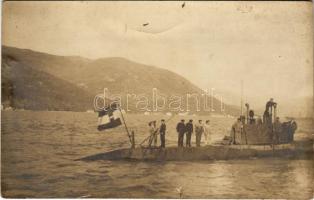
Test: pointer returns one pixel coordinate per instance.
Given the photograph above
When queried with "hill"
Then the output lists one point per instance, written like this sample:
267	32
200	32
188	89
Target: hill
118	75
26	88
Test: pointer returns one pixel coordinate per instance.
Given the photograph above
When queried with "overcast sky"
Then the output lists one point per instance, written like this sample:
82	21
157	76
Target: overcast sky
213	44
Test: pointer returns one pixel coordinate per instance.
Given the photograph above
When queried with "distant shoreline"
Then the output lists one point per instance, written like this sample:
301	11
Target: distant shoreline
153	113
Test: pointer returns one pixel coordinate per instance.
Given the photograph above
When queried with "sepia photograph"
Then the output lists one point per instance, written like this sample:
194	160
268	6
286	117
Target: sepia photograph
157	99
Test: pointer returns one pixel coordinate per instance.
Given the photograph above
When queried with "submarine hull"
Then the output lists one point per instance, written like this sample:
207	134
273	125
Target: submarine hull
210	152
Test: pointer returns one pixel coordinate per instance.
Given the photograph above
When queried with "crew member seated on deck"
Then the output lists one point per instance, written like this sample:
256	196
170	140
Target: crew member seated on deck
181	130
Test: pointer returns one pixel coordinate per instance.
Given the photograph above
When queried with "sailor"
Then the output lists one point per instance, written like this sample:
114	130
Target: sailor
153	133
292	129
269	105
181	130
162	131
189	131
236	127
242	119
207	132
277	130
266	118
251	117
199	129
268	111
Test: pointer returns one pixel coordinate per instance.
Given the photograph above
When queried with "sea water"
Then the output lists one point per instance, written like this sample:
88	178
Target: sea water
39	150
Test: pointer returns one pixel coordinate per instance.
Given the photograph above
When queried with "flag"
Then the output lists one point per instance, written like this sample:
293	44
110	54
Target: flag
109	118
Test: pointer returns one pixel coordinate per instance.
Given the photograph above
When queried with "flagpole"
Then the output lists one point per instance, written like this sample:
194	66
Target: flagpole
126	128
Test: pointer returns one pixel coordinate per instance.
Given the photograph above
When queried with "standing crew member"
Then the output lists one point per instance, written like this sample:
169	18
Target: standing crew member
236	127
267	117
199	129
207	132
189	131
153	133
181	131
251	117
162	131
277	128
269	105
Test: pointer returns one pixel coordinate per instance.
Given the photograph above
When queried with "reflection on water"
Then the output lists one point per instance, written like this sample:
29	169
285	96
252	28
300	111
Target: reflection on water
39	149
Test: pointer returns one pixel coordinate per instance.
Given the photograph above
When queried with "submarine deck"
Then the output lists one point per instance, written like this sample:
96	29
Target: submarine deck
295	150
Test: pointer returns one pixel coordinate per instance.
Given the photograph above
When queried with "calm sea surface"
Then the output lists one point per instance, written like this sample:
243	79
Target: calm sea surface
38	150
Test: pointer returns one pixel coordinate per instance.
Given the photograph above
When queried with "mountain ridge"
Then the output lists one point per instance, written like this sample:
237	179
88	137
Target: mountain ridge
30	89
119	75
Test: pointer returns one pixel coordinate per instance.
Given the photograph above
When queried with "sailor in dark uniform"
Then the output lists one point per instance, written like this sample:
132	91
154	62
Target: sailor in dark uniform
251	117
162	131
181	130
268	111
269	105
277	128
189	131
